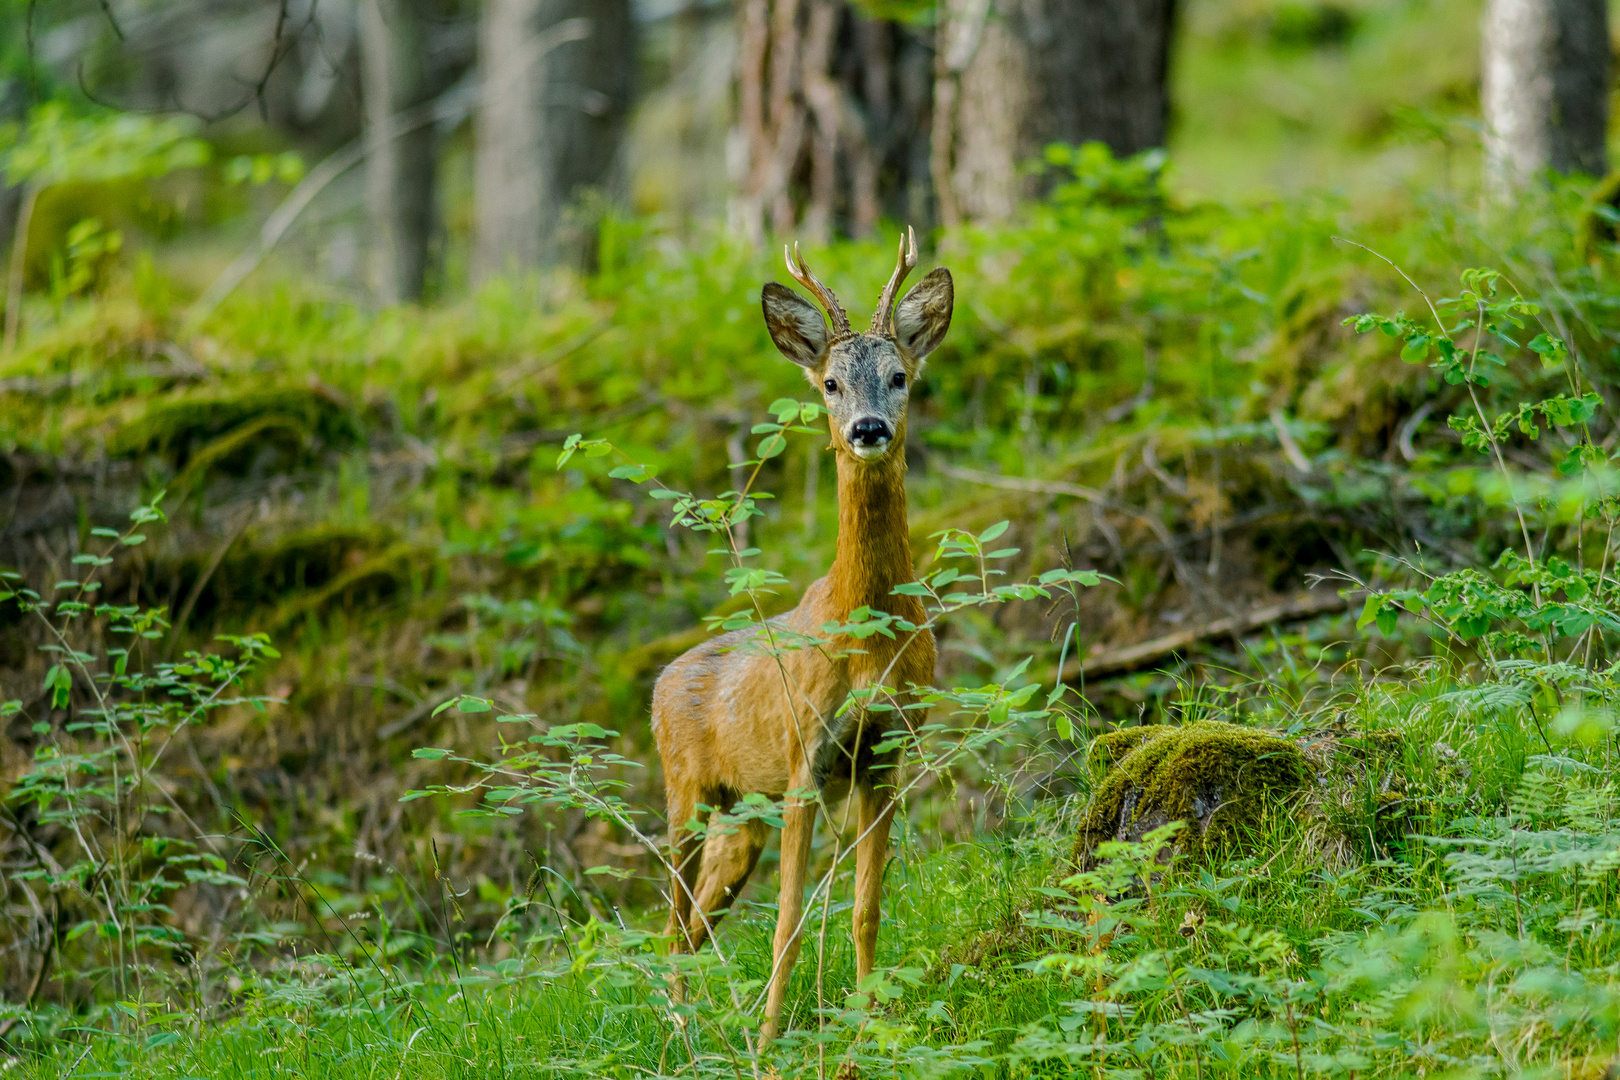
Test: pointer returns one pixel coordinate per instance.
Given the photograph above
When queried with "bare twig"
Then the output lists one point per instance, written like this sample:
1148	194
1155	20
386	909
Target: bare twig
1296	456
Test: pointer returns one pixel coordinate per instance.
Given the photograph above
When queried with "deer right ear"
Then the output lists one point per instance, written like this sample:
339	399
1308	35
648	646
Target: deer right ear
797	328
923	316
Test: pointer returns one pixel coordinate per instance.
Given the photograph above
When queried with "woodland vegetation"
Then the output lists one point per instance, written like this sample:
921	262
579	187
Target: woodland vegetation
359	473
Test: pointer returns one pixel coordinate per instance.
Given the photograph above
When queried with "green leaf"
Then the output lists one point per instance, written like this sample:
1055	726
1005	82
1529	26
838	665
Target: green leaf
429	753
59	684
468	704
1416	349
1552	350
993	531
772	445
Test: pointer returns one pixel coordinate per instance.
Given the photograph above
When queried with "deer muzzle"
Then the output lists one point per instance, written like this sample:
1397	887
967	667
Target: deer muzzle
869	436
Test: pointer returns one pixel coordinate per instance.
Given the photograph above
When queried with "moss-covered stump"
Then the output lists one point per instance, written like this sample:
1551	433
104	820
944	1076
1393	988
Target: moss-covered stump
1215	777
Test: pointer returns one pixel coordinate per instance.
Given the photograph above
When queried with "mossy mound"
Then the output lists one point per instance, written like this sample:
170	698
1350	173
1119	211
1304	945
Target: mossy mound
1214	776
195	424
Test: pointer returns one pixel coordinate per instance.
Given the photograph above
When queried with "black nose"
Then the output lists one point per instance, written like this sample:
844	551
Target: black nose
870	431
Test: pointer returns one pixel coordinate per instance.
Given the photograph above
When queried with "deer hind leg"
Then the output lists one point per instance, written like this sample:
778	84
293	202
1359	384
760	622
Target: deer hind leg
799	827
729	858
685	847
875	813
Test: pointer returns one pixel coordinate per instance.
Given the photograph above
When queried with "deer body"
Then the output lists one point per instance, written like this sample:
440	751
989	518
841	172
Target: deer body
737	716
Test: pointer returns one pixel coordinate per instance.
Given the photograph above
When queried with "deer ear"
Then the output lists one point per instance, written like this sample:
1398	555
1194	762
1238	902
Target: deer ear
923	316
797	328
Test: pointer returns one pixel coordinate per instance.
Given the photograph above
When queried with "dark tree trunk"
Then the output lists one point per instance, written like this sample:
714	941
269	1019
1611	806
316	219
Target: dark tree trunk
1544	89
833	113
1012	76
1101	70
401	158
557	79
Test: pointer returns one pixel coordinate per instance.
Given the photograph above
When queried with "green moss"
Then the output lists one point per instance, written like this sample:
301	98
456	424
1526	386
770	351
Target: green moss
1216	777
1109	747
187	423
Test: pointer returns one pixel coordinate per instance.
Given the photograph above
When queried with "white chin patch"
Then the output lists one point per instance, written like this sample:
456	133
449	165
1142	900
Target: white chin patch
875	450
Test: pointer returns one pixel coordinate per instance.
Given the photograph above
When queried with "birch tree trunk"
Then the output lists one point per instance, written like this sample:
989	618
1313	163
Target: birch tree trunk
400	164
1544	92
507	175
1012	76
556	79
833	115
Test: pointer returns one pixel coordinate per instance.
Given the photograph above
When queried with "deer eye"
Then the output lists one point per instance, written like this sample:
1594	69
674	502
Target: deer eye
831	385
900	380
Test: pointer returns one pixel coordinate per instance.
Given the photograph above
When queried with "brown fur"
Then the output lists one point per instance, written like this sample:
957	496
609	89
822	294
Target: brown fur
736	716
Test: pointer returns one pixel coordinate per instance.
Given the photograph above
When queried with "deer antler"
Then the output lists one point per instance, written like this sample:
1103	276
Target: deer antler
801	273
904	261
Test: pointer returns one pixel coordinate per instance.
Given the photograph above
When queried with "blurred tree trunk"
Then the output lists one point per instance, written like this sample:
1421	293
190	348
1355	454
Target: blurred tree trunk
1545	80
557	77
832	120
1012	76
400	160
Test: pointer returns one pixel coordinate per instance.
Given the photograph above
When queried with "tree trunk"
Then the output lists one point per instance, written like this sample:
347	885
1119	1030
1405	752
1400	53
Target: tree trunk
832	120
557	77
400	163
1544	90
1012	76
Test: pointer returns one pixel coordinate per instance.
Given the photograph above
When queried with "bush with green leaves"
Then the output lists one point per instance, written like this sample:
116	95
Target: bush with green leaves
111	847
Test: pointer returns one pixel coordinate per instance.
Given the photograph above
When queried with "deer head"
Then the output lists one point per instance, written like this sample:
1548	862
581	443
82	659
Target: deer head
865	379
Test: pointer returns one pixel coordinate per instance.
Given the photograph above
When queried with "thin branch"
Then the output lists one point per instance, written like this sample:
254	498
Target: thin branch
112	21
1398	270
276	53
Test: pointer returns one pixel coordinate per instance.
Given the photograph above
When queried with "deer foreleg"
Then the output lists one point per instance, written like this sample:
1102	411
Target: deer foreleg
798	827
874	815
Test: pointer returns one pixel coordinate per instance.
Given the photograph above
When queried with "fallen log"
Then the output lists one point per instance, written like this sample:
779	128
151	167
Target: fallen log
1301	606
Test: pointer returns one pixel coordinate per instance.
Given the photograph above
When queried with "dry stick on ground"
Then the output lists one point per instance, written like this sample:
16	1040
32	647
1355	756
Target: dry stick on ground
1184	573
1302	606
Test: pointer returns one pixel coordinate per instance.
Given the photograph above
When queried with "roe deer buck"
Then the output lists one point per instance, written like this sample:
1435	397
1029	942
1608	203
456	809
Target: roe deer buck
732	718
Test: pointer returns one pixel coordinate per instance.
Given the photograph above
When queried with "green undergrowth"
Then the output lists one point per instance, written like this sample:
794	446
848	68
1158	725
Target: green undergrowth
1480	942
415	831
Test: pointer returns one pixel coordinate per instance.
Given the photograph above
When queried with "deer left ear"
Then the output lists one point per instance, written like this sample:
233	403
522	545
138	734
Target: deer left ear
797	328
923	316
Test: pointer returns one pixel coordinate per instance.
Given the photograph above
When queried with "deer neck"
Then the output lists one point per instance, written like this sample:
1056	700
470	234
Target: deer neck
874	541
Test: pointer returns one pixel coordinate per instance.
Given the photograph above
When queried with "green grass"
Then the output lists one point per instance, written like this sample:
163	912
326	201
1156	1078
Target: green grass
1406	965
